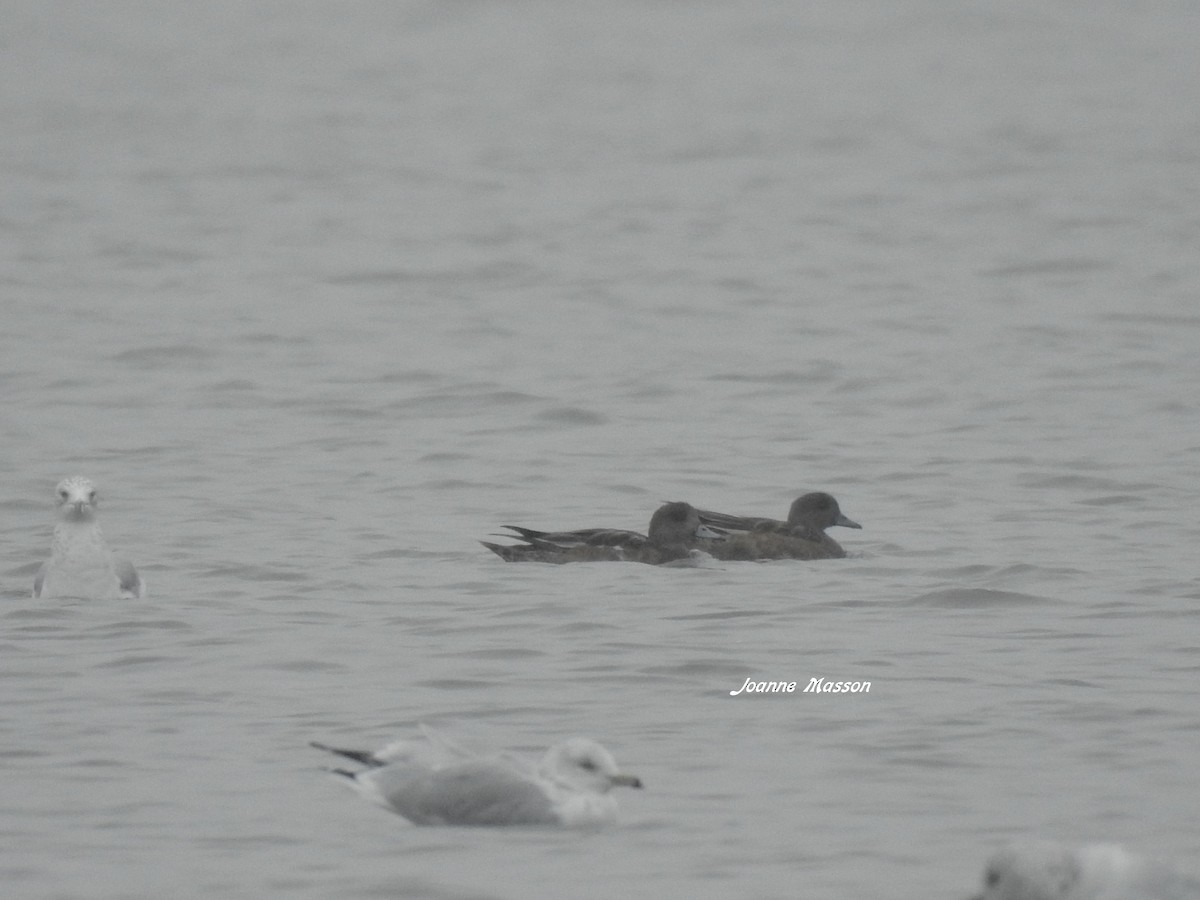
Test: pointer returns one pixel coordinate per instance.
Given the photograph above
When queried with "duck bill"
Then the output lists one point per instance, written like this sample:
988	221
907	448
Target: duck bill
847	523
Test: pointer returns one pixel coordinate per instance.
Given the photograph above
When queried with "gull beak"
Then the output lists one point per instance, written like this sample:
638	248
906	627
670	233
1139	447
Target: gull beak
626	781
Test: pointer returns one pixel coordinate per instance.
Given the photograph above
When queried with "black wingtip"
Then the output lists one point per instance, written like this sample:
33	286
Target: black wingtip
366	757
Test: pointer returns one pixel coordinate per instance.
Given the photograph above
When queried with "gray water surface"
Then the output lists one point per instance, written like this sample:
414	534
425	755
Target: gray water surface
321	294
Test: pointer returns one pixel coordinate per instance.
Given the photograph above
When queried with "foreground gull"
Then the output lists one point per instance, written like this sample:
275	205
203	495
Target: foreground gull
802	536
437	783
674	530
80	564
1042	870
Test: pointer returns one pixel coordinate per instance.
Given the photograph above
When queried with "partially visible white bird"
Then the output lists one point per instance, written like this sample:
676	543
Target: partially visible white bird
80	564
439	783
1043	870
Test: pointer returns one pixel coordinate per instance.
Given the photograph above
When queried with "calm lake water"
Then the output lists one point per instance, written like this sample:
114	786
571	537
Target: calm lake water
321	294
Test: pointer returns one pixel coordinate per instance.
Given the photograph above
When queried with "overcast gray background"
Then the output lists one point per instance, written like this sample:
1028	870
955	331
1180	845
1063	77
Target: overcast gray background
319	294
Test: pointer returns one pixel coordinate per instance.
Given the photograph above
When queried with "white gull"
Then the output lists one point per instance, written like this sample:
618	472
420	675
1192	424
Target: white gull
1043	870
80	564
439	783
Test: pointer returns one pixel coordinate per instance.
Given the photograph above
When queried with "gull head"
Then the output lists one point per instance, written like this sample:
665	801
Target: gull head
76	499
1040	871
585	765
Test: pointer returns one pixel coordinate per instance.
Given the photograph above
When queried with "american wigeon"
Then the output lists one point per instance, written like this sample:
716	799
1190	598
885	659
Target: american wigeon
675	528
802	536
81	566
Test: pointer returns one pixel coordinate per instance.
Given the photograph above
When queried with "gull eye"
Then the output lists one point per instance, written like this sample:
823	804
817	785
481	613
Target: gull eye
63	494
588	764
92	497
992	878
